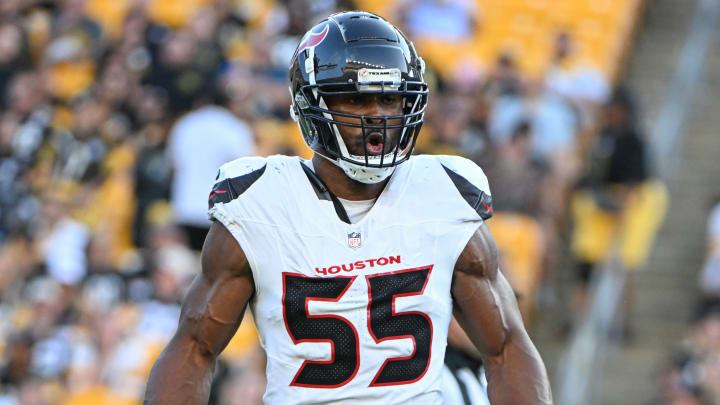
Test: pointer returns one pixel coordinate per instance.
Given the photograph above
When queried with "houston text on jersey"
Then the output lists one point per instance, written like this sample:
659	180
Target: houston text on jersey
358	265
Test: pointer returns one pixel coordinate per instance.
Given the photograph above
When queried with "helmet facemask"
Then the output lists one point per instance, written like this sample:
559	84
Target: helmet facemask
358	53
314	116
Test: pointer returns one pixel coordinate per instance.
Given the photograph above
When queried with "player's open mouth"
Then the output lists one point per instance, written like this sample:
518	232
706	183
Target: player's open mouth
374	143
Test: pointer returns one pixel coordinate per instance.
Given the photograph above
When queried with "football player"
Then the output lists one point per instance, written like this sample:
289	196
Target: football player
352	262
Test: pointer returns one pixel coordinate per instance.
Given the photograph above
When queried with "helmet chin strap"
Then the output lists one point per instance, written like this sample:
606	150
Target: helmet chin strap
362	174
357	172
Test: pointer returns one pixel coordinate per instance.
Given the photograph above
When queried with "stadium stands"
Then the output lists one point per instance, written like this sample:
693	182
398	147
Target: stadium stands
92	263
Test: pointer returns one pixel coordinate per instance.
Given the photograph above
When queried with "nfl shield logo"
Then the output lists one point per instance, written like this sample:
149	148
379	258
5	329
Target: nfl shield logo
354	240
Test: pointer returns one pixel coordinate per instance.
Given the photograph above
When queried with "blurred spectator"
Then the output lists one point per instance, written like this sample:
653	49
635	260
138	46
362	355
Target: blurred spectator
153	177
520	224
582	87
301	14
442	30
692	373
64	239
246	387
25	93
81	150
447	126
554	124
554	131
183	66
618	206
506	93
572	80
516	175
476	144
710	275
113	108
454	20
153	168
17	361
618	155
199	143
14	53
504	78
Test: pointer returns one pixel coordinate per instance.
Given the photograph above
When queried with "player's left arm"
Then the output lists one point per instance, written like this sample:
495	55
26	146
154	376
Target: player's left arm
486	308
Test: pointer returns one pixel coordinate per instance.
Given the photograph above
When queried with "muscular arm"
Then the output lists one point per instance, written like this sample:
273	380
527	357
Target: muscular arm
486	308
211	314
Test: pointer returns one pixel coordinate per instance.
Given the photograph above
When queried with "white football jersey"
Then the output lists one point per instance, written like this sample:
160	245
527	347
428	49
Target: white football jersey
352	313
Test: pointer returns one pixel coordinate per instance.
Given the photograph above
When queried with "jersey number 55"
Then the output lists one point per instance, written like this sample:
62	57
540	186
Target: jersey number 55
384	323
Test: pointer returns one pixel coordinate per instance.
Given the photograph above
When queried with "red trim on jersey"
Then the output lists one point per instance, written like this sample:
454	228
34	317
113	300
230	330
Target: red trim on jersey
217	192
487	207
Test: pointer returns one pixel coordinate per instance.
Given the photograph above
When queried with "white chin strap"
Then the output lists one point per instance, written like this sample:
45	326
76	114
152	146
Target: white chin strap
362	174
357	171
366	175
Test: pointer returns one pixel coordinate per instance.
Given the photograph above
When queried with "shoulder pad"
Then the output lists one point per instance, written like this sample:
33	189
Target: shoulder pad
234	178
471	182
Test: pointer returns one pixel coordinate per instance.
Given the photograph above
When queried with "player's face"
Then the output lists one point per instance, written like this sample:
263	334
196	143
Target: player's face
368	105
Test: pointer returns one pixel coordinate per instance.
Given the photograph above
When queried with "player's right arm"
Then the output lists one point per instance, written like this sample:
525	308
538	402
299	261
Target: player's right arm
211	313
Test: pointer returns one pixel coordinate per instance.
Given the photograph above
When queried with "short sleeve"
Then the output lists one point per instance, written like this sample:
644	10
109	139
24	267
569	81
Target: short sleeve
233	179
471	182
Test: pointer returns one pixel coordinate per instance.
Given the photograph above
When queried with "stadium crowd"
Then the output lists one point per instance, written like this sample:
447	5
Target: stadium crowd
692	372
115	116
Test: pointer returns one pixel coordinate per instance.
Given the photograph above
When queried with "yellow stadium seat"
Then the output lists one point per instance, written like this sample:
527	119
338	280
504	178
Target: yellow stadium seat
110	14
444	56
530	49
244	342
380	7
518	21
111	208
97	395
598	52
256	11
70	79
174	13
607	11
521	244
274	135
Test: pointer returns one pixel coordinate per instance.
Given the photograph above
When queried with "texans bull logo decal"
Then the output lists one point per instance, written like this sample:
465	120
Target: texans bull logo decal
312	41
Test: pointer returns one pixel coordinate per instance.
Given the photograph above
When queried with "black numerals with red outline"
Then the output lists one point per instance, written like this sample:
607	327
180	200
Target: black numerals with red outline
298	291
385	323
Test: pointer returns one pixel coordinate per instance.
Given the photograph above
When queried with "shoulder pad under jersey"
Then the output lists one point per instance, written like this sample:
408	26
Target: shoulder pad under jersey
234	178
471	182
